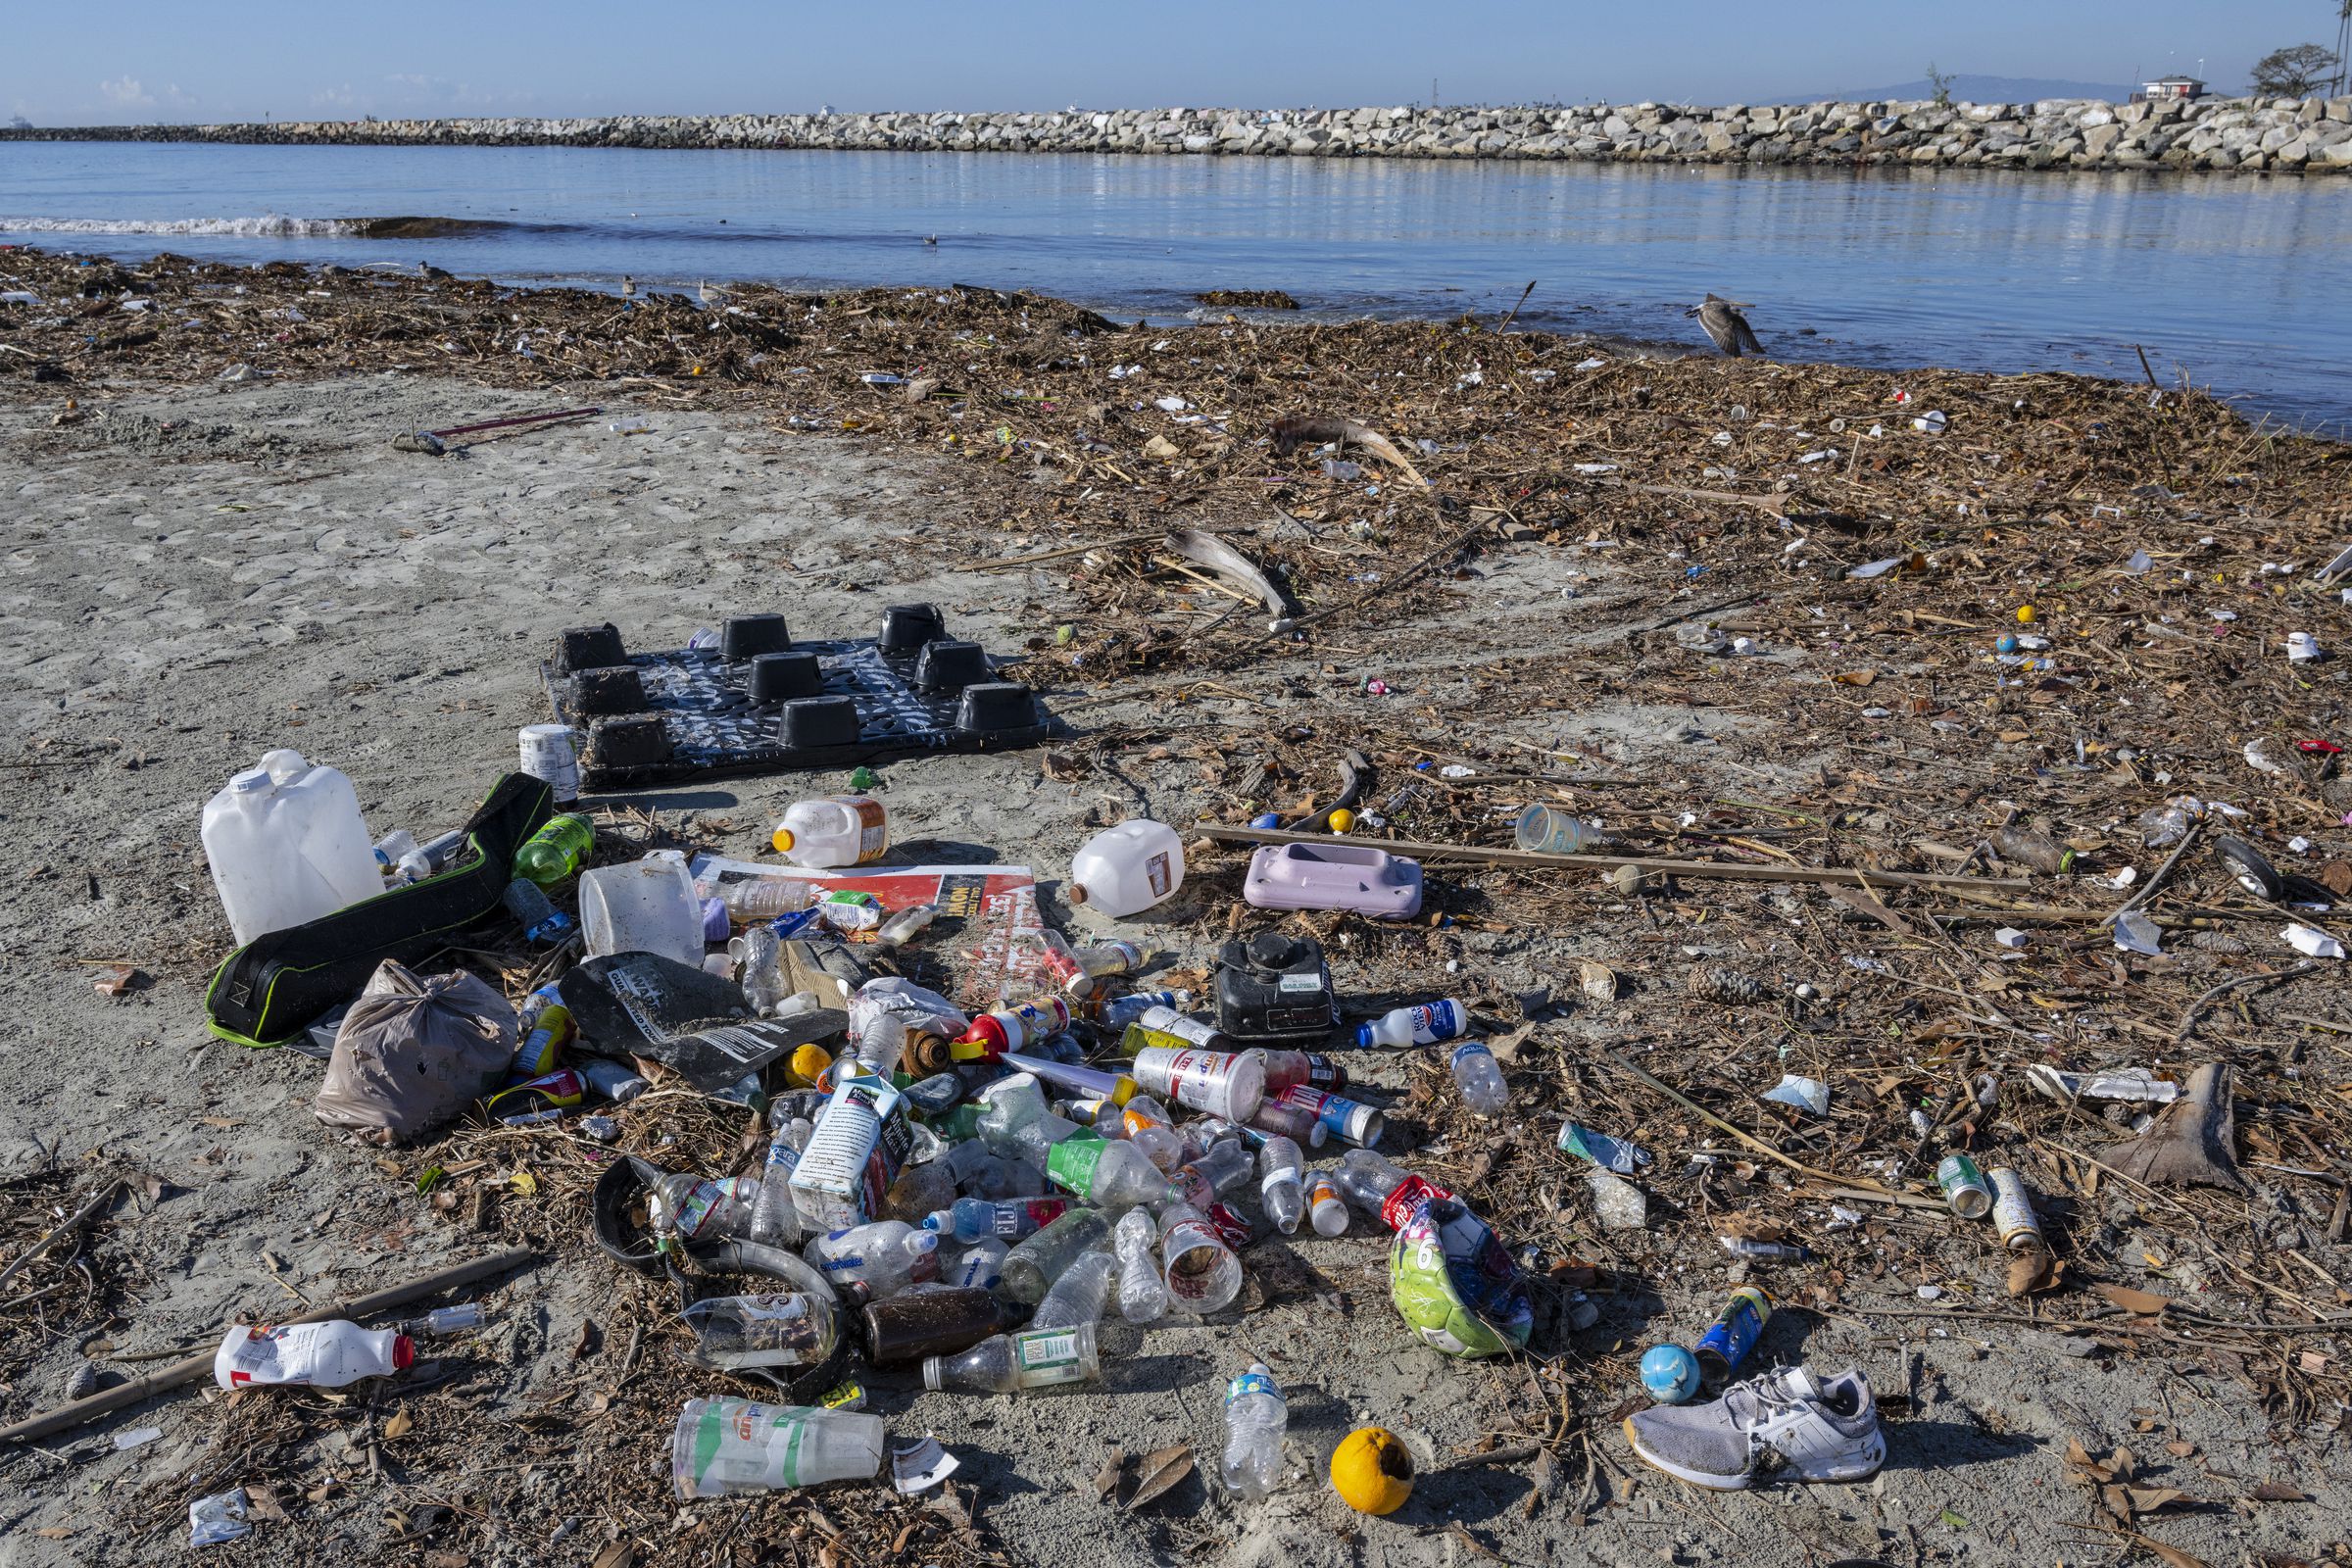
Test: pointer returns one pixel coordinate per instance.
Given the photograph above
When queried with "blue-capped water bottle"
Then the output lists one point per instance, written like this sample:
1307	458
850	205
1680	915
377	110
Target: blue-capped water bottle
1255	1414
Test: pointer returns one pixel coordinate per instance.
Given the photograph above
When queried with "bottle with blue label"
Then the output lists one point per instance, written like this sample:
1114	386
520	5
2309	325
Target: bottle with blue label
1255	1416
1422	1024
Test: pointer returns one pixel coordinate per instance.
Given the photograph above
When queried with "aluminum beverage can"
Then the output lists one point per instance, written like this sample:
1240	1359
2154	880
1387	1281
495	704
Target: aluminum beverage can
1734	1333
2013	1210
1964	1186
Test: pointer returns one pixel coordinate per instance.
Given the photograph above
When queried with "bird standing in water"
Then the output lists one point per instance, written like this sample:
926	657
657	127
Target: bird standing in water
1726	326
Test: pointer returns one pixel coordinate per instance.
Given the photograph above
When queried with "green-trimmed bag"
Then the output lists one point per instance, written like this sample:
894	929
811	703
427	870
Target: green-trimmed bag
277	984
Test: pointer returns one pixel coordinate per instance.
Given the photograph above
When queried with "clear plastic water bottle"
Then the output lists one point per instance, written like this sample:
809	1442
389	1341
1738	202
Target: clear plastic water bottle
981	1266
1422	1024
775	1220
756	953
688	1209
1256	1415
1112	1175
1078	1296
1142	1293
1479	1078
1213	1173
391	847
885	1256
972	1219
1280	1165
541	921
1031	1269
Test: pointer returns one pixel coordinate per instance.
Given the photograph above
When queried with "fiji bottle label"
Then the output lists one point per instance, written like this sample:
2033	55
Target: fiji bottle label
1044	1356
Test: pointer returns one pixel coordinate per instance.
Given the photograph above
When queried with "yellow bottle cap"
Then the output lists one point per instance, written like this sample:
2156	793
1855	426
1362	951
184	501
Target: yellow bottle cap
782	839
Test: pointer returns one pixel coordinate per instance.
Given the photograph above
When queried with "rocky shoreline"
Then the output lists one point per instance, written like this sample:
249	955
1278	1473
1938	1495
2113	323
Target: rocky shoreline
2238	135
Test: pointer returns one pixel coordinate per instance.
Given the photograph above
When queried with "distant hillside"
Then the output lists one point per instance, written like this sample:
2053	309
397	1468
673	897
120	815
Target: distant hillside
1980	90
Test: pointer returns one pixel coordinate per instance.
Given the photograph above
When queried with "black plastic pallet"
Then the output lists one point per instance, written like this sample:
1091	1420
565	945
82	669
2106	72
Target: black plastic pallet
761	703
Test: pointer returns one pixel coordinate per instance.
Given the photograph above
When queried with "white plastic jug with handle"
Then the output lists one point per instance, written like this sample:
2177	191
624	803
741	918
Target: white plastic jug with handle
287	844
838	830
1126	869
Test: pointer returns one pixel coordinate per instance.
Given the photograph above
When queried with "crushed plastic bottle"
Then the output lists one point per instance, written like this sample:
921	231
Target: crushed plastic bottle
758	955
1032	1267
1255	1416
775	1220
1618	1203
886	1256
1480	1079
688	1209
1142	1293
318	1356
1078	1296
1212	1174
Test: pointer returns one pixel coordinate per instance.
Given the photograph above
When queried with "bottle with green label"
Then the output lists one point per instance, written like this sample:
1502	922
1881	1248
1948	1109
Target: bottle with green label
725	1446
556	850
1012	1363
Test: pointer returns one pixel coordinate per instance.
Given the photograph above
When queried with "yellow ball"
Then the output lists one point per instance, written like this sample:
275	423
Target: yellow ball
2025	614
1342	820
1371	1471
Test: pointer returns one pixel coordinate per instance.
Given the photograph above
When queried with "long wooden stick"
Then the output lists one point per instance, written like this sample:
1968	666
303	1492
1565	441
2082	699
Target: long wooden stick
181	1373
1756	1144
1844	876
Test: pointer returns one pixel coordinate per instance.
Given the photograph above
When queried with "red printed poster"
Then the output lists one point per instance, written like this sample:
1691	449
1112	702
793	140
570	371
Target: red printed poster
988	929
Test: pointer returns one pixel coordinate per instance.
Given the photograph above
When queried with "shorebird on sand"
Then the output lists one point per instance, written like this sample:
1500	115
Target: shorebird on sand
1726	326
711	293
431	273
628	287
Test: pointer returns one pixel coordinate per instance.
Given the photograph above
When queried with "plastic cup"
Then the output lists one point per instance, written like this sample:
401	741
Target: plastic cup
1548	830
645	906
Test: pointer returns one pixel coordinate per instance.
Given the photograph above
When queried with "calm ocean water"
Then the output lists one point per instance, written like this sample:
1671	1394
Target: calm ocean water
2232	281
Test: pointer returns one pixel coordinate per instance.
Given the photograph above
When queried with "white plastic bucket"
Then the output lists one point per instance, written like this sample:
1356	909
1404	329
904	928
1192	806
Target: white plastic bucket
647	906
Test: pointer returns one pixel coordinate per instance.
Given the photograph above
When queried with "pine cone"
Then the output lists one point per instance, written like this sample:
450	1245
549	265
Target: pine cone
1727	986
2216	942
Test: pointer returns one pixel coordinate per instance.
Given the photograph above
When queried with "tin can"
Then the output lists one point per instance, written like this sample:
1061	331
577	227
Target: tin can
1964	1186
1734	1333
2013	1210
547	753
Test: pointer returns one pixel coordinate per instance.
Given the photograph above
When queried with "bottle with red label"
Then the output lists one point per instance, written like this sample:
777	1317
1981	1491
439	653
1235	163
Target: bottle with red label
318	1356
1379	1186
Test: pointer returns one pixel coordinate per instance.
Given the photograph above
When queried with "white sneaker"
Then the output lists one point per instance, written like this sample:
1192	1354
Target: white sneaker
1782	1420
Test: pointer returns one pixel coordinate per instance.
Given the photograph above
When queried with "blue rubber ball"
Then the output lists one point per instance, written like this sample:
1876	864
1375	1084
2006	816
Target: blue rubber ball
1669	1373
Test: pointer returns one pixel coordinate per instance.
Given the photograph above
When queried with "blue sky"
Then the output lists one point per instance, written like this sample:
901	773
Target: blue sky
142	61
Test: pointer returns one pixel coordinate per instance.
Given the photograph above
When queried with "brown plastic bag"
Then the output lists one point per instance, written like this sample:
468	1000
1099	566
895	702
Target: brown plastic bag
414	1051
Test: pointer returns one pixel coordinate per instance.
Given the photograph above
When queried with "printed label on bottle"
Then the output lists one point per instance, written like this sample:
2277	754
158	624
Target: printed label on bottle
1319	1189
1156	872
1046	1355
1434	1022
1071	1163
1250	1383
1467	1050
1283	1177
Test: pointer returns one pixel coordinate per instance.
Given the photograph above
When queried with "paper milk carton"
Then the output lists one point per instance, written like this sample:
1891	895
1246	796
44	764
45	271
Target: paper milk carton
859	1143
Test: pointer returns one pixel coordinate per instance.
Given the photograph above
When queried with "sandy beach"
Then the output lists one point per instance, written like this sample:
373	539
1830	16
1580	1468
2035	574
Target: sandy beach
198	573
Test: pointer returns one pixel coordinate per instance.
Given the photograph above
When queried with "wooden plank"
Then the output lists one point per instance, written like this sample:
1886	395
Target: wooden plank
1846	875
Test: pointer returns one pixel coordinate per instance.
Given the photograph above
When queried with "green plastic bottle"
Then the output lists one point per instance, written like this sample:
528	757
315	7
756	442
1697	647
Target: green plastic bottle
556	851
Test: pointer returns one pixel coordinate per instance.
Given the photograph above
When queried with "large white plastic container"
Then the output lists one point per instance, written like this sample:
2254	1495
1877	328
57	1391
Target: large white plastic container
647	906
287	844
1126	869
838	830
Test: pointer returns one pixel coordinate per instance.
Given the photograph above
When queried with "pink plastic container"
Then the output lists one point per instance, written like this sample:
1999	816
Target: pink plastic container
1334	876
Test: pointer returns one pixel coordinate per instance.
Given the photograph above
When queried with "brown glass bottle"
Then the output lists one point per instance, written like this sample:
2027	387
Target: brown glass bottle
918	1324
